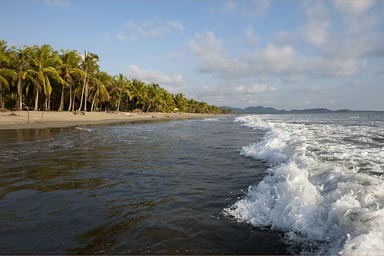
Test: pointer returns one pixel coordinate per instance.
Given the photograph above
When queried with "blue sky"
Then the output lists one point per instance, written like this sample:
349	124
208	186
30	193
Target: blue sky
283	54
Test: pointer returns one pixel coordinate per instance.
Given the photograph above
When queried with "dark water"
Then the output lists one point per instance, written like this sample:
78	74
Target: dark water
151	188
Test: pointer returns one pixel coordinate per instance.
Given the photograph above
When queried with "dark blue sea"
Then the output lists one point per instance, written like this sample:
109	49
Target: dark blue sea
267	184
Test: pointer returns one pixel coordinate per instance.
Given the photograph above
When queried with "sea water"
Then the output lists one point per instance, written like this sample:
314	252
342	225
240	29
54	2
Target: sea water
325	182
268	184
145	188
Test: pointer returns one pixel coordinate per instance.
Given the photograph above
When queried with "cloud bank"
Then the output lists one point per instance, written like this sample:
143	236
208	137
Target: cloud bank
156	27
173	83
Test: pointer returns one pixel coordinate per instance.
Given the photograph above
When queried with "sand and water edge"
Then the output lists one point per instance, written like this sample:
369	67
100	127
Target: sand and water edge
14	120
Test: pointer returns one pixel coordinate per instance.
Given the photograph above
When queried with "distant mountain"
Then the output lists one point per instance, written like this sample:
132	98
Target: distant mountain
262	110
269	110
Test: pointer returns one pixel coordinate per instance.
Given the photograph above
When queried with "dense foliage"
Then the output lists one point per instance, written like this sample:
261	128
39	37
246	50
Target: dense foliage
41	78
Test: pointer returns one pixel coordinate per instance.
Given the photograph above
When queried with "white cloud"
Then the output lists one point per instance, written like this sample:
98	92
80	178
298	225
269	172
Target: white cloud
354	7
278	59
312	64
250	35
356	16
237	94
213	58
342	29
255	88
339	67
207	45
231	5
316	31
152	28
170	82
120	36
209	48
247	8
271	61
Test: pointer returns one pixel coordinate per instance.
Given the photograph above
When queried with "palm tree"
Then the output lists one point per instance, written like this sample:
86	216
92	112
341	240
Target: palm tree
70	61
161	99
39	69
43	61
90	66
168	103
150	95
118	89
181	102
20	63
5	71
137	89
99	85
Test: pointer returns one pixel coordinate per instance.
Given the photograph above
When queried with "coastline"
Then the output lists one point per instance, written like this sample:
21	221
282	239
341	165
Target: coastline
15	120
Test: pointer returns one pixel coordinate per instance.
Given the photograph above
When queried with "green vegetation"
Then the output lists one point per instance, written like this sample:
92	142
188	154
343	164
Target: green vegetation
41	78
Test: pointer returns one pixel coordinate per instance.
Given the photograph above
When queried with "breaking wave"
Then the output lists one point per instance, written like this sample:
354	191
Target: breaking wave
324	187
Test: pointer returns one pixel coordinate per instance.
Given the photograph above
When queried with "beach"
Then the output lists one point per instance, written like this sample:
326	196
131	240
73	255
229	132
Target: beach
11	120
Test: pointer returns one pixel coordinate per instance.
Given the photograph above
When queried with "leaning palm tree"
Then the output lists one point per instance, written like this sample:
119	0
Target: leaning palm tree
90	66
43	61
69	67
6	72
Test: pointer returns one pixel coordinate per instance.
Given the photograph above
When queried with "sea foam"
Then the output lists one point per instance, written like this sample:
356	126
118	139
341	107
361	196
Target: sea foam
84	129
324	187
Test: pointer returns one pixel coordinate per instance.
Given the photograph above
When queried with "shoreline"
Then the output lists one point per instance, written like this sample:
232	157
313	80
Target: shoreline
17	120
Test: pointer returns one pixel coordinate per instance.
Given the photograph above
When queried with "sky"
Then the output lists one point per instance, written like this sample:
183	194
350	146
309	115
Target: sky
292	54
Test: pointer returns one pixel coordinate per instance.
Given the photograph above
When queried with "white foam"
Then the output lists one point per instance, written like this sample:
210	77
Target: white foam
320	188
84	129
211	119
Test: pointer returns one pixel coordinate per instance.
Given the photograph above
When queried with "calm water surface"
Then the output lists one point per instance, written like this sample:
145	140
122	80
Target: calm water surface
149	188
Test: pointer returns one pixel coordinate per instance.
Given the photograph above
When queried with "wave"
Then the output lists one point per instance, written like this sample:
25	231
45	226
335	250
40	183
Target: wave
84	129
215	119
323	190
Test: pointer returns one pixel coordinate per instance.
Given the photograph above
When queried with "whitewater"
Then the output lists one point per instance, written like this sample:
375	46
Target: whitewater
324	186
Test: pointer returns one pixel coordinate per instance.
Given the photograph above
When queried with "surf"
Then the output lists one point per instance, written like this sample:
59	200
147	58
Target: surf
320	189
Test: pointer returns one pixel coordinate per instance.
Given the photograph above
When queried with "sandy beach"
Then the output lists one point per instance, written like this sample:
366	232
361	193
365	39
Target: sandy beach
12	120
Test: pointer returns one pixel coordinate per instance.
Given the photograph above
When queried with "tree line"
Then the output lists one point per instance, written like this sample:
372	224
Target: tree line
42	78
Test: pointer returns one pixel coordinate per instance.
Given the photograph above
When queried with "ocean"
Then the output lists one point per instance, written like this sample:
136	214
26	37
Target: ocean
250	184
324	186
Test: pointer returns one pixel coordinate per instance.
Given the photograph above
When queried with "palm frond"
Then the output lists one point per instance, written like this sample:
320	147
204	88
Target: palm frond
4	82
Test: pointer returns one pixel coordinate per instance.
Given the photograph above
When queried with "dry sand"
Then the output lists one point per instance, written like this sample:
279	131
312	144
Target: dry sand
41	119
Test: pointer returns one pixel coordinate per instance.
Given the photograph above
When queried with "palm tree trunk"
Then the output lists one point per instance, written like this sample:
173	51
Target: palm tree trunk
62	99
86	97
118	105
70	98
1	96
82	93
36	100
93	102
19	95
46	103
49	102
149	106
73	101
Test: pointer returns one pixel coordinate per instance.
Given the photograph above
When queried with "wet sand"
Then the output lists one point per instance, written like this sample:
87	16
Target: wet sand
12	120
